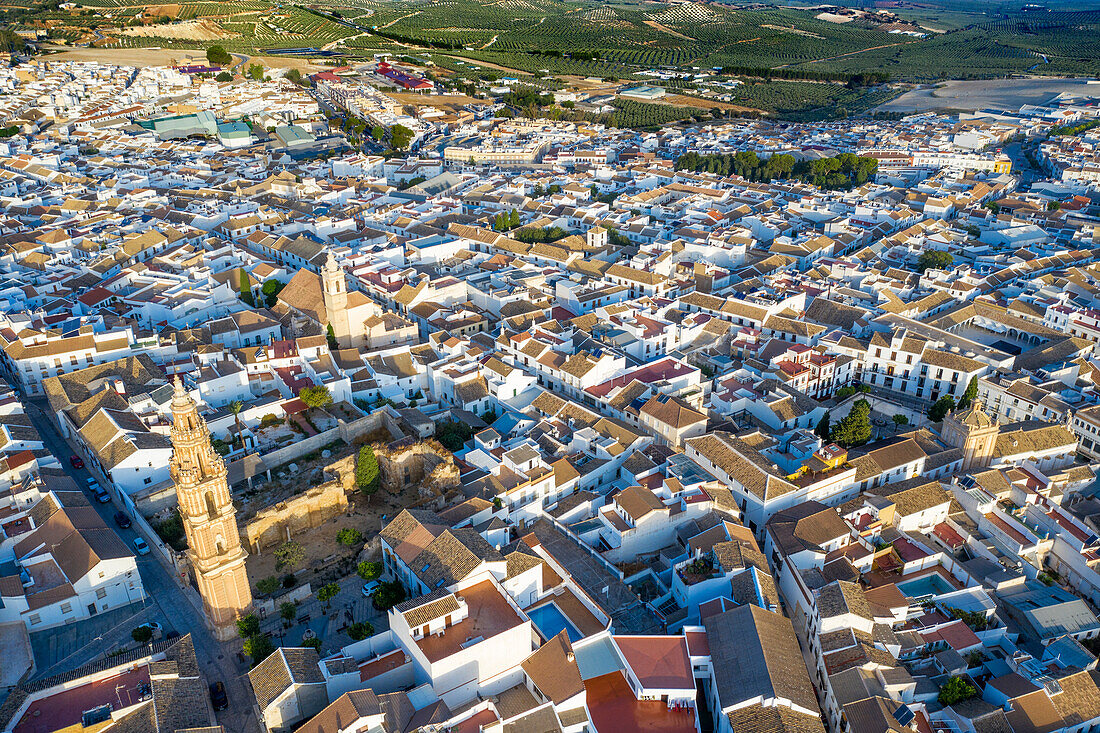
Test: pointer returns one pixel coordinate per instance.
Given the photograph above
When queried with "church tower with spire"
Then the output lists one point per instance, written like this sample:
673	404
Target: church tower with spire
209	518
335	290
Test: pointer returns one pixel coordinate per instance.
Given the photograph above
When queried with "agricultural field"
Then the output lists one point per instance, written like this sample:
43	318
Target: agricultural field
817	62
618	38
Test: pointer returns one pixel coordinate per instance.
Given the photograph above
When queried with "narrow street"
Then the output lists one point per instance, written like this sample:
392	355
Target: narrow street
164	598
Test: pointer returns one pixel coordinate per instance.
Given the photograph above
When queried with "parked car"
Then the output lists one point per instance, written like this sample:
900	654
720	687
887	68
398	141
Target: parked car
101	494
371	587
141	546
218	698
76	462
92	483
122	520
154	628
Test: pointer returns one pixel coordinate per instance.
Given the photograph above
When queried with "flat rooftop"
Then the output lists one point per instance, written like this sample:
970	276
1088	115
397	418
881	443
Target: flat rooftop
65	708
490	614
613	706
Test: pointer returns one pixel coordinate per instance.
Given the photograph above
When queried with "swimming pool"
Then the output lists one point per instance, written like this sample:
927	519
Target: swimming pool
550	621
928	585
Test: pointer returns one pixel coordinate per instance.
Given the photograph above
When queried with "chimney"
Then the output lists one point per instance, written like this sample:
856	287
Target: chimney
120	387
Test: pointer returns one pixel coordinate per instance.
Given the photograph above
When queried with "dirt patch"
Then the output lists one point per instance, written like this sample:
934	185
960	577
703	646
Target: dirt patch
155	11
834	18
795	31
665	29
451	103
490	65
326	558
170	57
678	100
188	30
321	548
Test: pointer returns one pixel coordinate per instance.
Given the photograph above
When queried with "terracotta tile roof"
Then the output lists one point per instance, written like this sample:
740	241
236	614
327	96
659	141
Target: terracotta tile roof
553	670
773	719
425	609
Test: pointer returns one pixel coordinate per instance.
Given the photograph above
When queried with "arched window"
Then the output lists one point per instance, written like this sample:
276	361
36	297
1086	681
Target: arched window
219	543
210	508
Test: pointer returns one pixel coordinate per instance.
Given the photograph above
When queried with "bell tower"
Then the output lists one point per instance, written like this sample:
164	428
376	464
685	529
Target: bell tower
335	290
209	518
974	433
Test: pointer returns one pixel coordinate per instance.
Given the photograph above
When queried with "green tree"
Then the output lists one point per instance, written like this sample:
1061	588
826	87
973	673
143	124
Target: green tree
855	428
246	288
453	434
400	137
267	586
1054	205
360	630
956	690
313	643
968	396
258	647
236	407
349	536
289	555
941	407
369	570
248	625
330	336
271	289
377	133
327	592
388	595
223	76
935	259
900	420
294	75
142	634
822	428
367	477
218	56
256	72
315	396
288	611
513	219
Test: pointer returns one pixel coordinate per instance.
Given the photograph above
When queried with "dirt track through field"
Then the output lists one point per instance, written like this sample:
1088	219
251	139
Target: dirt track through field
850	53
665	29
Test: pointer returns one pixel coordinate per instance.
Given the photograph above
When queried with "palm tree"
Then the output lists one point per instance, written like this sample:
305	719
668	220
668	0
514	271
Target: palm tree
235	407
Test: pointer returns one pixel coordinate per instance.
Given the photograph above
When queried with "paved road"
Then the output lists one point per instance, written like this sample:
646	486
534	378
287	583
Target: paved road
217	660
238	68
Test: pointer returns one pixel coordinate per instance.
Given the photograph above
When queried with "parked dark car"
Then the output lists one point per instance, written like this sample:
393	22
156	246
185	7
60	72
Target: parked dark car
122	520
76	462
218	698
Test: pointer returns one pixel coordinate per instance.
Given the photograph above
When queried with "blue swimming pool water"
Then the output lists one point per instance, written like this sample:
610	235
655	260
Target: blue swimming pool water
929	585
550	621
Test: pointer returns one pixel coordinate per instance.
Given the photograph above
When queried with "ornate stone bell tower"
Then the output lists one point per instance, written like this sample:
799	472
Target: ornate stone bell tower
209	519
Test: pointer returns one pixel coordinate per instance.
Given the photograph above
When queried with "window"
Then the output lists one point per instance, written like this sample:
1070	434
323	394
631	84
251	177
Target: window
101	593
35	619
66	608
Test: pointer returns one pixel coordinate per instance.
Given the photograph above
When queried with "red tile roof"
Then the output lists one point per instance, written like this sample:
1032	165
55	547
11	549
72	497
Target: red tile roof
659	662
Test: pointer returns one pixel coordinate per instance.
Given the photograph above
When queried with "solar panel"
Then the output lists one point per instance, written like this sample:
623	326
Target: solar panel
904	715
